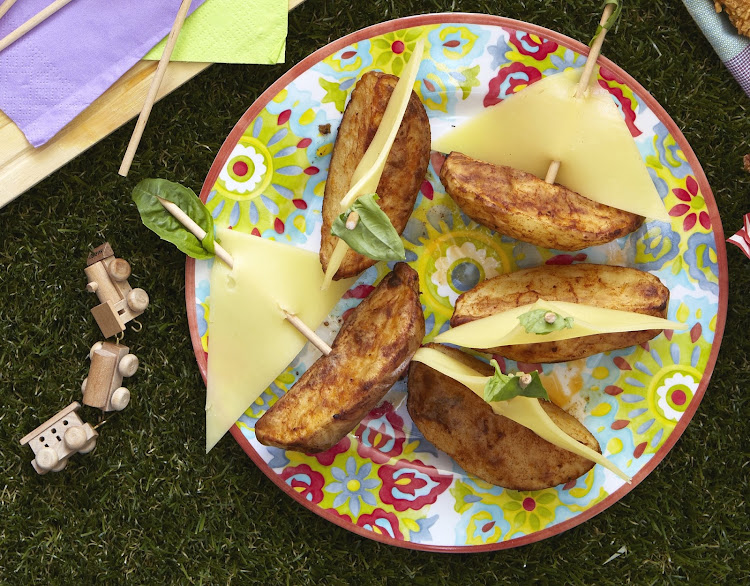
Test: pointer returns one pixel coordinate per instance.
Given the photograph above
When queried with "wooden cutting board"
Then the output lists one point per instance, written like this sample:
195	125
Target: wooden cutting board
23	166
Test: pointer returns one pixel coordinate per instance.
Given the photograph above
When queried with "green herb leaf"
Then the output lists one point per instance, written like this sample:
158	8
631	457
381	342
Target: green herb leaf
374	236
156	218
534	322
611	21
502	387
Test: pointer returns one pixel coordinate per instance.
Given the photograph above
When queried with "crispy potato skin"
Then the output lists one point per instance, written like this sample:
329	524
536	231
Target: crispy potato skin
611	287
370	353
522	206
738	12
487	445
404	170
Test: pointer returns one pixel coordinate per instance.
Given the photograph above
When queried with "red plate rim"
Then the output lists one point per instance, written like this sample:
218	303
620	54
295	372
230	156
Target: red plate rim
643	95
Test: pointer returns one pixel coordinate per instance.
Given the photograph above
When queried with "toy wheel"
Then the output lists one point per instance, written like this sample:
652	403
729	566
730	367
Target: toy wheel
137	300
75	438
47	459
128	365
120	399
88	446
119	269
94	348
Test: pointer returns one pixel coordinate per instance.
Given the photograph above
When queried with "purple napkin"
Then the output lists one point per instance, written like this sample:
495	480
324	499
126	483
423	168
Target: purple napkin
55	71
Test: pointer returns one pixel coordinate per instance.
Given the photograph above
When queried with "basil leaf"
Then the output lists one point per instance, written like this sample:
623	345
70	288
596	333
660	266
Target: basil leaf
374	236
534	322
159	220
611	21
501	387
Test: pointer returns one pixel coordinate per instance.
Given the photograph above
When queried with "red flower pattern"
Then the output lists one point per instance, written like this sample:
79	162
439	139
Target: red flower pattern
381	434
381	522
305	481
532	45
326	458
692	200
411	485
508	80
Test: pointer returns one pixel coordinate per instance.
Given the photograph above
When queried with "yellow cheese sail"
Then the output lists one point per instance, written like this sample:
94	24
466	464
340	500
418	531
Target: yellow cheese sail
367	175
250	343
545	122
522	410
504	328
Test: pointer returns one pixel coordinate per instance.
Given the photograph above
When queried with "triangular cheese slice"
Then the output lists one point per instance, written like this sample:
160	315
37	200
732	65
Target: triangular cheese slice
250	343
522	410
504	328
546	122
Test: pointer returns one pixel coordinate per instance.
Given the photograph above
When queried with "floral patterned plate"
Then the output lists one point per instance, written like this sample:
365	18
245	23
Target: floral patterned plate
384	480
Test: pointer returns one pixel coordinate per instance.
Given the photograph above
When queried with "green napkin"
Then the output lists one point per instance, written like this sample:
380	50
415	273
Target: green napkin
232	31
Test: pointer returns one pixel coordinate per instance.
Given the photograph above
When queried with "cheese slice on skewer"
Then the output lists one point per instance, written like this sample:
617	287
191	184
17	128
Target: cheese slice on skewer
523	410
545	122
250	342
504	328
366	176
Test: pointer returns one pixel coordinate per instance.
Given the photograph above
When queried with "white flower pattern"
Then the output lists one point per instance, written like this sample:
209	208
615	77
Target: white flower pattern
672	392
236	173
453	277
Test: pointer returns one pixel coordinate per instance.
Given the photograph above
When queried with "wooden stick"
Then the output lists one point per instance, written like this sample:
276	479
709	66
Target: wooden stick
225	257
38	18
195	229
5	6
161	69
583	83
306	331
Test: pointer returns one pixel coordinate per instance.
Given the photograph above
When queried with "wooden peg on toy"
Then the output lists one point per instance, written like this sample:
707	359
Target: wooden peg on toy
58	438
108	278
103	387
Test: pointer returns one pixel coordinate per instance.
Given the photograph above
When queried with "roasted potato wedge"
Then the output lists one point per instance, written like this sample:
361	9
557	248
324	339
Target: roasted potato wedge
404	170
522	206
370	353
487	445
611	287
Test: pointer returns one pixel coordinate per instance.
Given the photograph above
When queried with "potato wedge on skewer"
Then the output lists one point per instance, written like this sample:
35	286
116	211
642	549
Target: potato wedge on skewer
520	205
370	353
487	445
404	170
610	287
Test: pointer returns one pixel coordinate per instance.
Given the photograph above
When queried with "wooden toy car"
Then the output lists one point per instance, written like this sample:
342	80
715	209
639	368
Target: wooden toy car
58	438
102	388
108	278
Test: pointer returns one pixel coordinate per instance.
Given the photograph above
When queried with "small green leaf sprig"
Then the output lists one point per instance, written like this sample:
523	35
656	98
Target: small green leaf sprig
373	235
541	321
611	21
503	387
157	219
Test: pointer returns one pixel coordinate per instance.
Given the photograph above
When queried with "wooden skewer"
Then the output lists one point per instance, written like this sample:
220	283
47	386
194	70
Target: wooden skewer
38	18
351	220
161	69
226	258
306	331
5	6
583	83
195	229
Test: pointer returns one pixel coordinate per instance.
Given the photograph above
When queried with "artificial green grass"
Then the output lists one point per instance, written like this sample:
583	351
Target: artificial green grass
149	506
